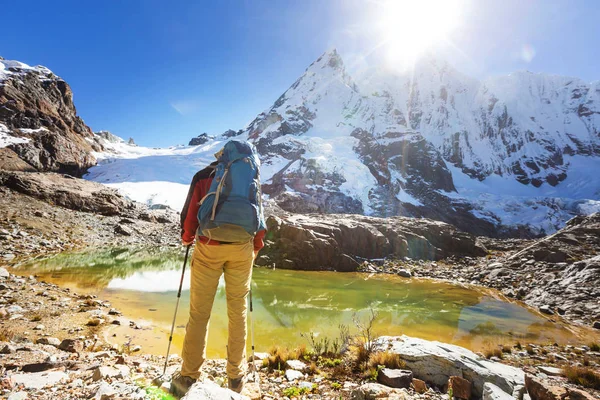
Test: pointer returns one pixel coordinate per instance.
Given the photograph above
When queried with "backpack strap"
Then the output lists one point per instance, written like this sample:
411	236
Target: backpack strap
219	189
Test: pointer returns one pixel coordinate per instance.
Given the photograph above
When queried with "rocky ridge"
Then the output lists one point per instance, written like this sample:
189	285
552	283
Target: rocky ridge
342	243
37	106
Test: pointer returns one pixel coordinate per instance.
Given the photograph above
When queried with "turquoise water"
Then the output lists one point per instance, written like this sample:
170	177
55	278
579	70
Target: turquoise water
143	283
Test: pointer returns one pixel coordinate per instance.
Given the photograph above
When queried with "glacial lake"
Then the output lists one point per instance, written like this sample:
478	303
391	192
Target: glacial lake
143	283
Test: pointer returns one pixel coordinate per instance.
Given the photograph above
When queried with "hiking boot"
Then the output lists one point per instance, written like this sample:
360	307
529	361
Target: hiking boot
237	384
181	384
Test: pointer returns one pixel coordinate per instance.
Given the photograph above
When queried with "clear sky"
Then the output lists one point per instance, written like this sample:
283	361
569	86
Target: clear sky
165	71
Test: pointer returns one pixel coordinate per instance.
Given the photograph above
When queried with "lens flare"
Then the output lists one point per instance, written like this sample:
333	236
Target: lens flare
411	27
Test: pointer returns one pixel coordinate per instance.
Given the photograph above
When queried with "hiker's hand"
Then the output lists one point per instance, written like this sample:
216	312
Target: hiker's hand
187	243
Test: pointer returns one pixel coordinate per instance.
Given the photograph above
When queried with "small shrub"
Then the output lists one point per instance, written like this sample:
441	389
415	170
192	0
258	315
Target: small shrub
330	362
372	373
313	369
586	362
506	349
594	347
295	391
530	350
336	385
340	372
387	359
582	376
518	346
36	318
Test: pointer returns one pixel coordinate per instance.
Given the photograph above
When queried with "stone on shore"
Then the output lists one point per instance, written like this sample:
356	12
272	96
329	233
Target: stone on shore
71	345
39	380
493	392
419	385
211	391
461	388
396	378
373	391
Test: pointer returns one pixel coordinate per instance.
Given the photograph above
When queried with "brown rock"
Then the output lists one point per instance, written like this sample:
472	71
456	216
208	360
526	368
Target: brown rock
396	378
71	345
461	388
419	385
66	191
540	390
334	242
576	394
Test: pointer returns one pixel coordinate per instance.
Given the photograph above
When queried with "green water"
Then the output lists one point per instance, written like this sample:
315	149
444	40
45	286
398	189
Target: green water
143	284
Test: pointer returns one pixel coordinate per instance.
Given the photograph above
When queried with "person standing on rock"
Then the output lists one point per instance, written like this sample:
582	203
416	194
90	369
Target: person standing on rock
223	213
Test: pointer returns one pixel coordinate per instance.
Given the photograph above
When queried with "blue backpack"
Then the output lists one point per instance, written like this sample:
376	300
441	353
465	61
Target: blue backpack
232	209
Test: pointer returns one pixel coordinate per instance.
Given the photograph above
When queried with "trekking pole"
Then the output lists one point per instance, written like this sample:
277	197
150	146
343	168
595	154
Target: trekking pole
256	375
187	252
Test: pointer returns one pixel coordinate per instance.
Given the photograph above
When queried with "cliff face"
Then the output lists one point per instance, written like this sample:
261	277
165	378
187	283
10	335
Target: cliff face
39	122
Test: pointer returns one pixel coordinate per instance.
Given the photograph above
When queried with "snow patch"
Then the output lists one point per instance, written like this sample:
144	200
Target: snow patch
6	139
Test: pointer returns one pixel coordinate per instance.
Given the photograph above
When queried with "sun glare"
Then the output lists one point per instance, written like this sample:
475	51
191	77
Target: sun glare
410	27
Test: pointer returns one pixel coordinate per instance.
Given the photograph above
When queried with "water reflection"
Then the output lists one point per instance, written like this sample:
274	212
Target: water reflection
143	282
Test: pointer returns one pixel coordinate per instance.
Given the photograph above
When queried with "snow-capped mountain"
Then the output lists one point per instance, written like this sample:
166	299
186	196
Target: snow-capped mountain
491	157
520	148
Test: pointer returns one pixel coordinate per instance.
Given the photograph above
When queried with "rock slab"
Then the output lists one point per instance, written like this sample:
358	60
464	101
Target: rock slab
436	362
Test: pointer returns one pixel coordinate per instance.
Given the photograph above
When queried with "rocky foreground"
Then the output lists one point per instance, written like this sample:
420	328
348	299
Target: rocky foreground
47	357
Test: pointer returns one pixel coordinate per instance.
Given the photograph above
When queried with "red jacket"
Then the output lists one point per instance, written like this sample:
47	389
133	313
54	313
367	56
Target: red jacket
189	215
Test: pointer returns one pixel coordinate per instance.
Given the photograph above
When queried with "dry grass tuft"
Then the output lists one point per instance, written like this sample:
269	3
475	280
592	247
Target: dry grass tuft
583	376
6	335
387	359
277	359
493	352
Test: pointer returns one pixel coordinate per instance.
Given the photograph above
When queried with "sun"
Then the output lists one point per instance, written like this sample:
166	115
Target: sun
411	27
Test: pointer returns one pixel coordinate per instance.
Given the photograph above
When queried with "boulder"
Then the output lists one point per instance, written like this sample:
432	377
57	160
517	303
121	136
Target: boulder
66	191
541	390
373	391
52	341
293	375
436	362
493	392
105	371
297	365
18	396
551	371
39	380
396	378
71	345
419	385
211	391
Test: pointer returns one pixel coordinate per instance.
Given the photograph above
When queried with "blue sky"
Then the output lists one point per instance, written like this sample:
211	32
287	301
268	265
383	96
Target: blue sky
163	72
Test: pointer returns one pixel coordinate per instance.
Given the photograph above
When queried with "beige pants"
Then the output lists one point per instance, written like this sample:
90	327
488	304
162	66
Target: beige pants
208	263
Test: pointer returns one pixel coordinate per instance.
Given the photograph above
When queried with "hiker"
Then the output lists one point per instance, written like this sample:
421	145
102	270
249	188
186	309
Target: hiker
223	213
